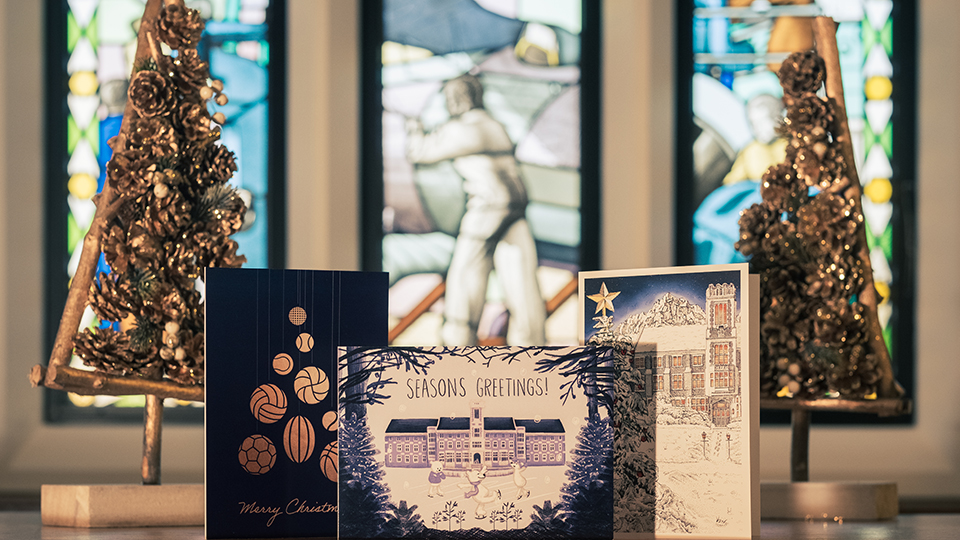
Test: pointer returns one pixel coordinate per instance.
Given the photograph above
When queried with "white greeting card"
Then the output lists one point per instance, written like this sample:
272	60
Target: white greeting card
686	414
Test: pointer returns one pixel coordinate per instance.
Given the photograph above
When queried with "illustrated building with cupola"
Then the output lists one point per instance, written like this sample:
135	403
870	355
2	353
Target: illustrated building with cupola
476	440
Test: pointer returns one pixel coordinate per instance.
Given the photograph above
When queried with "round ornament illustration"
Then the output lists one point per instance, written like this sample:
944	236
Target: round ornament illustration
311	385
297	316
282	363
329	421
268	403
298	439
257	454
329	461
304	342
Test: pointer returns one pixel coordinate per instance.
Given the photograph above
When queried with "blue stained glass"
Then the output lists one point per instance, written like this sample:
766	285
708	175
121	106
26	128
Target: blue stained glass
252	161
245	131
109	128
445	26
246	84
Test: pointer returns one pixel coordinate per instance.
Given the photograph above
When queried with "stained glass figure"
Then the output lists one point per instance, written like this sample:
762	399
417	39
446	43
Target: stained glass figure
448	185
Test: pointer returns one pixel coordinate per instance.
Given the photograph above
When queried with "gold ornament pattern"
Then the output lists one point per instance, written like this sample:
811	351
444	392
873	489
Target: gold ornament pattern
257	454
268	403
298	316
311	385
282	364
304	342
298	439
329	461
330	421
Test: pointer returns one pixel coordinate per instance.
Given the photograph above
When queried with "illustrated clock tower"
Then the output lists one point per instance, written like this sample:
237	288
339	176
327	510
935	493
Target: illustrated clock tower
722	351
476	433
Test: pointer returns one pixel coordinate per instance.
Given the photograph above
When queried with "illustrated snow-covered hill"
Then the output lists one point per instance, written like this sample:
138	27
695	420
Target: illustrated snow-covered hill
668	310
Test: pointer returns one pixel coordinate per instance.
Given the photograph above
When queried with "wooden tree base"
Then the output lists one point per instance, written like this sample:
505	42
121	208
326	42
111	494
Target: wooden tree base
829	501
121	505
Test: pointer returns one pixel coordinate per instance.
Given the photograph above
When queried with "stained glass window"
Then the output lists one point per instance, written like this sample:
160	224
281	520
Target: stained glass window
477	110
736	48
92	44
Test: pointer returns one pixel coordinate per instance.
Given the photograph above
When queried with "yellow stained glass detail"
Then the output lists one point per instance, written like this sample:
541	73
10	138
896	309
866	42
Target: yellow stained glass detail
84	83
81	401
879	190
82	186
883	289
878	87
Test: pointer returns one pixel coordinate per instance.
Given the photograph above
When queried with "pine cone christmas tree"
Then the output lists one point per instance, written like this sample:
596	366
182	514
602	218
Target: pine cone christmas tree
175	216
805	240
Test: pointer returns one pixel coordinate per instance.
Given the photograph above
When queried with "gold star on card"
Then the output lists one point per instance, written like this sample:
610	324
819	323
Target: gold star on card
604	299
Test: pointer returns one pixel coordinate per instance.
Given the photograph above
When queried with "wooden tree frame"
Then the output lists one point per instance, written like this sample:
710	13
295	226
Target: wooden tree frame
58	374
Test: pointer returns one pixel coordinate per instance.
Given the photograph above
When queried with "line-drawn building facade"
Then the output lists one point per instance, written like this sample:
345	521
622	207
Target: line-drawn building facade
463	442
697	366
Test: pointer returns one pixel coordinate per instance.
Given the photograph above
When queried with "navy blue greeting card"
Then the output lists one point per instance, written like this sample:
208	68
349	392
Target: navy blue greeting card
271	394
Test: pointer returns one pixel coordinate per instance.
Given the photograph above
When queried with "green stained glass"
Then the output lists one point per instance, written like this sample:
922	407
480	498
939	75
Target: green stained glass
73	134
74	234
91	31
232	10
868	36
129	401
264	59
888	335
92	134
869	138
73	32
886	36
886	139
871	239
886	241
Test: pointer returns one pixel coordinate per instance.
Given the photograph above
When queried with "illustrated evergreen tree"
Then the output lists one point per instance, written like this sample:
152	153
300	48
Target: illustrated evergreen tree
635	470
172	214
403	522
364	502
820	332
634	466
590	476
548	520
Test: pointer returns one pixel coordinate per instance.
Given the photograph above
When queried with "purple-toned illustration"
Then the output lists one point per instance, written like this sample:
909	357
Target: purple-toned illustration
456	441
476	442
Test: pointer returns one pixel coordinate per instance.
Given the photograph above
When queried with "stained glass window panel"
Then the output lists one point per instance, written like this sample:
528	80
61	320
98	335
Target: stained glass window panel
98	52
737	46
515	68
